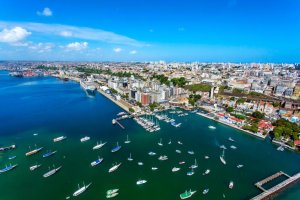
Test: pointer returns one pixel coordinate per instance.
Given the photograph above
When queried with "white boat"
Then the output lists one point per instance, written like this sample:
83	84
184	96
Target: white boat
191	152
187	194
163	157
222	157
170	142
240	166
177	151
112	195
130	158
98	146
233	147
212	127
181	163
51	172
140	182
230	139
112	191
81	190
205	191
151	153
127	140
59	138
114	168
223	147
206	172
230	186
34	167
154	168
160	142
140	163
175	169
84	139
190	173
179	142
280	148
195	165
206	157
96	162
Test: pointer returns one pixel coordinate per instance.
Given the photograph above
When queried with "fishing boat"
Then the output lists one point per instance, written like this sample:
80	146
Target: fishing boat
240	166
195	165
141	182
127	141
96	162
205	191
51	172
191	152
112	195
151	153
187	194
179	142
98	146
160	142
230	139
222	157
30	153
177	151
154	168
130	158
163	157
181	163
175	169
49	153
59	138
34	167
233	147
190	173
12	157
114	168
117	148
8	168
212	127
230	186
206	172
84	139
81	190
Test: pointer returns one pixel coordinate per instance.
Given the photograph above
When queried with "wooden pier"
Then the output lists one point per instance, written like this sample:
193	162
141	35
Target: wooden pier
268	194
114	121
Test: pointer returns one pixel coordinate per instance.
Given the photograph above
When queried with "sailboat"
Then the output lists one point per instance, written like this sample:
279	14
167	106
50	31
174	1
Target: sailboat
222	157
170	142
51	172
130	159
127	140
114	168
96	162
187	194
81	190
190	173
34	151
117	148
8	168
160	142
98	146
195	165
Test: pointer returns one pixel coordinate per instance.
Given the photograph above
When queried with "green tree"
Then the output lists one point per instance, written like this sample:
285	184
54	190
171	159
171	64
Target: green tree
229	109
131	110
258	115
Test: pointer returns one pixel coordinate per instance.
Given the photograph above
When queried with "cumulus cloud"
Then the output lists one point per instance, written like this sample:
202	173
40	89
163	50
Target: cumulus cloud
77	46
133	52
46	12
83	33
41	47
117	50
13	35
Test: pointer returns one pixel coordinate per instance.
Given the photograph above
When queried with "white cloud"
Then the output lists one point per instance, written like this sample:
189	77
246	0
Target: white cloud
46	12
117	50
77	46
41	47
13	35
82	33
133	52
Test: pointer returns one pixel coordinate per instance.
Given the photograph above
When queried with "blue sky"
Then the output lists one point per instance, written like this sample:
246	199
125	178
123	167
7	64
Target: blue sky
135	30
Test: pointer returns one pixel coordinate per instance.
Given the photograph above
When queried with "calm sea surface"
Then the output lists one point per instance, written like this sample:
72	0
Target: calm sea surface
51	108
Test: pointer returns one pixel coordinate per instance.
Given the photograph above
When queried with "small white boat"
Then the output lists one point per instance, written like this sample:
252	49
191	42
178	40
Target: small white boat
84	139
151	153
280	148
212	127
230	186
98	146
240	166
140	182
222	158
206	157
130	158
230	139
34	167
206	172
191	152
179	142
81	190
127	141
59	138
177	151
154	168
223	147
160	142
35	134
195	165
181	163
175	169
170	142
112	195
163	157
190	173
233	147
205	191
114	168
140	163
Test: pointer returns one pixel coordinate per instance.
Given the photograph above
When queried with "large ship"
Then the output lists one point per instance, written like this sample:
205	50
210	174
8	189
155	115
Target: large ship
30	153
88	86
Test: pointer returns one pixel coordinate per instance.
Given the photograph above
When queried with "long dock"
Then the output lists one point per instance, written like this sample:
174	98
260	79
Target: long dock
114	121
268	194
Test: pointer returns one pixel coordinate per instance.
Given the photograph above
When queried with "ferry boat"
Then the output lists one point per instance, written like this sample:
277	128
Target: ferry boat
175	169
130	158
51	172
81	190
89	87
114	168
163	157
34	167
205	191
127	140
8	148
212	127
160	142
222	158
117	148
140	182
8	168
230	186
12	157
84	139
151	153
30	153
59	138
96	162
195	165
98	146
154	168
187	194
206	172
50	153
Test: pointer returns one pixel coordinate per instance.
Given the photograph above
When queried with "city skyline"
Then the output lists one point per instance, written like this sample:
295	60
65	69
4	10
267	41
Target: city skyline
205	31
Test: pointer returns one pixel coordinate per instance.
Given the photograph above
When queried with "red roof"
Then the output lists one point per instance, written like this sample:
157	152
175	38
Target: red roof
297	142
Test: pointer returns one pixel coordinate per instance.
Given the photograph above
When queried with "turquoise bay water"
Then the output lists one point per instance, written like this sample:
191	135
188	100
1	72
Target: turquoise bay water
52	108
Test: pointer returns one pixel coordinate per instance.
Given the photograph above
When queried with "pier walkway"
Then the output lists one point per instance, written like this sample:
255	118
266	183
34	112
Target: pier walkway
268	194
